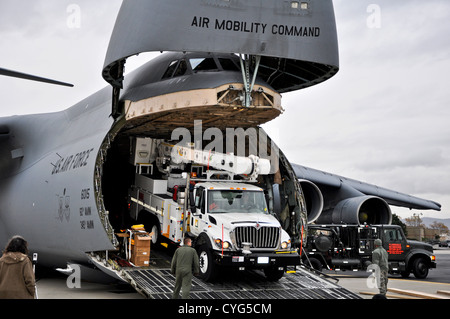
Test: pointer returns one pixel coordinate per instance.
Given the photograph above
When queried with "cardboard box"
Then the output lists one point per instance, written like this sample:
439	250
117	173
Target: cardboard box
141	239
140	261
140	248
140	251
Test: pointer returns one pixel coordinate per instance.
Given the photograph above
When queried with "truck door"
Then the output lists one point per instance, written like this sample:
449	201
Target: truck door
395	243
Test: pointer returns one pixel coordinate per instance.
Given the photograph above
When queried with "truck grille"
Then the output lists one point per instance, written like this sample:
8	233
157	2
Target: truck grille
264	237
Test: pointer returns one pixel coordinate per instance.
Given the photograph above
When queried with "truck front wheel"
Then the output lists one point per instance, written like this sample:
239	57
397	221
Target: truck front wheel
208	269
420	268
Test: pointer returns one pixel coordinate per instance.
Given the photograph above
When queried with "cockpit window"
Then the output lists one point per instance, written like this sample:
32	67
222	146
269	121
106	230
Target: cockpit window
170	70
203	64
181	69
176	68
228	65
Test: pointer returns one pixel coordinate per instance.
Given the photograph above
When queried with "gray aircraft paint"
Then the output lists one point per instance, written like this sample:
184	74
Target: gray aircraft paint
42	196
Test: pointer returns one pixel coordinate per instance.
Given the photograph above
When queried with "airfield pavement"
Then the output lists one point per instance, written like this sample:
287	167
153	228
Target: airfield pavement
53	285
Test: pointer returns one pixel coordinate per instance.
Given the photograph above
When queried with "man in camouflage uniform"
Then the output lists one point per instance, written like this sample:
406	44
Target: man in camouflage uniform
380	258
184	263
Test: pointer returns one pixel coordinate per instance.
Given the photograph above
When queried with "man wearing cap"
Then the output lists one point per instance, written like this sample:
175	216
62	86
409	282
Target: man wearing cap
380	258
184	263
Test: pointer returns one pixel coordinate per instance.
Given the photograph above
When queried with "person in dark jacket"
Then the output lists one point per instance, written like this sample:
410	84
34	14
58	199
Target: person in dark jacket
184	263
16	271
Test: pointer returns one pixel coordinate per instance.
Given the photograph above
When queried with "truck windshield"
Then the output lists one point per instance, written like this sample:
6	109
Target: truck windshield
236	201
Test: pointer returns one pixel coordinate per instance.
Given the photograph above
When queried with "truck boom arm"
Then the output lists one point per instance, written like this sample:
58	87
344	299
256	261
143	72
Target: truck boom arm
252	165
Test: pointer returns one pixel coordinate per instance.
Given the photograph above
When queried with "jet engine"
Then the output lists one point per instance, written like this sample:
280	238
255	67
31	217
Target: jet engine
358	210
314	199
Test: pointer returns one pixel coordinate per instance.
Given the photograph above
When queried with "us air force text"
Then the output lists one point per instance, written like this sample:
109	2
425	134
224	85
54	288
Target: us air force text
255	27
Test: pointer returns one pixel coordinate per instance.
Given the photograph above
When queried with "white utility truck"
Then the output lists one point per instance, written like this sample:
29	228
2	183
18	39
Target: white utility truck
223	210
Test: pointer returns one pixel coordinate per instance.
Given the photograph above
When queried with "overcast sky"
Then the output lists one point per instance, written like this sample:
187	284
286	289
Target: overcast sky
383	119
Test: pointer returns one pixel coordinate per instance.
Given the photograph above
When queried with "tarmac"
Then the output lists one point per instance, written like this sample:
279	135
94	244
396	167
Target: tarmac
55	287
364	288
360	284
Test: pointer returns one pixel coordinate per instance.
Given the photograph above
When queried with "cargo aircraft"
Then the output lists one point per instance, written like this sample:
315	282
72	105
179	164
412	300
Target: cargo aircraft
64	176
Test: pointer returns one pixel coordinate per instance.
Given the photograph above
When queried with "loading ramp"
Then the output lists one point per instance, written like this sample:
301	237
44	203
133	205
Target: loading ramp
303	284
157	282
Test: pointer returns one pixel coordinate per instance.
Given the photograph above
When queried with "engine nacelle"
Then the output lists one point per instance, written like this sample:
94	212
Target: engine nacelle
357	211
314	199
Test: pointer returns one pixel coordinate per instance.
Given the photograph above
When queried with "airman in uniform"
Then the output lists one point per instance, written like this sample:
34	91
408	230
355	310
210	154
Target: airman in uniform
380	258
184	263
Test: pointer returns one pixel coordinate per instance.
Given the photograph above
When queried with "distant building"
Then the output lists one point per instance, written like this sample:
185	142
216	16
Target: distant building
422	233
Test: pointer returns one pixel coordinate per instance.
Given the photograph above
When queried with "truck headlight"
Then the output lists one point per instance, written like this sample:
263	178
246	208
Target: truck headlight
218	243
286	244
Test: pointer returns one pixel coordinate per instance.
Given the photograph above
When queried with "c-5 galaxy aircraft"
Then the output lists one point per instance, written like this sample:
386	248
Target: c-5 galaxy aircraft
64	176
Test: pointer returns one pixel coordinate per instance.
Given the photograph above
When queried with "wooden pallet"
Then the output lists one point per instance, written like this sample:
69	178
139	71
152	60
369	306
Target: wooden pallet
443	292
421	295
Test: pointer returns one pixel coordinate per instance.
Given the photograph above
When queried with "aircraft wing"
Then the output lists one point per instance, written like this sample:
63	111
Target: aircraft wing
395	198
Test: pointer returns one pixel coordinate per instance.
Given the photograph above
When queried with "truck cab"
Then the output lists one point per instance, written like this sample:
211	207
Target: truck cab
233	228
406	256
